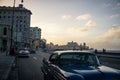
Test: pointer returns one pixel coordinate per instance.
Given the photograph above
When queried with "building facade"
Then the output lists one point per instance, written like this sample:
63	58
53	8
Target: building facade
35	37
5	37
19	19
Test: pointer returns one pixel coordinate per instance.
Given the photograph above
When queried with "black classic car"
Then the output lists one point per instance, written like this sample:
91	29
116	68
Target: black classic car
76	65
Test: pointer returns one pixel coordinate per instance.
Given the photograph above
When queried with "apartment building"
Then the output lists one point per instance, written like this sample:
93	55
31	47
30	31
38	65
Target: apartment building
35	37
19	19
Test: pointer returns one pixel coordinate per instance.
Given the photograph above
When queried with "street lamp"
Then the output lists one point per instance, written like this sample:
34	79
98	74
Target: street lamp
11	44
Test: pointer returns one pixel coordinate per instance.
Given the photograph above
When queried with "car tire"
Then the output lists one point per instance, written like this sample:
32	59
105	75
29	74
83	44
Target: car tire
46	77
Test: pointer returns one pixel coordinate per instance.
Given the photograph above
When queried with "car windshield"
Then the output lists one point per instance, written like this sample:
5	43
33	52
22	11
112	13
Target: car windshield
79	59
24	49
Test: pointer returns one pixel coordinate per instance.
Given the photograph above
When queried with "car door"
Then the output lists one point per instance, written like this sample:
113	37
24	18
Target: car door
54	69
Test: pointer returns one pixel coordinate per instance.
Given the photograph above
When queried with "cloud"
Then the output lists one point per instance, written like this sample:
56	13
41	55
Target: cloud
115	16
110	39
106	5
110	35
76	32
50	28
77	29
83	17
90	23
66	17
118	4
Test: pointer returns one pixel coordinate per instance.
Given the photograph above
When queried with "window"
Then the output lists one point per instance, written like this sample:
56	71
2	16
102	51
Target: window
78	59
20	29
24	21
8	16
17	16
4	12
20	20
5	31
53	58
3	16
20	25
20	17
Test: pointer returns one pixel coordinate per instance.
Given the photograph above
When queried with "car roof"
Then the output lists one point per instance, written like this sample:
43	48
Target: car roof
74	51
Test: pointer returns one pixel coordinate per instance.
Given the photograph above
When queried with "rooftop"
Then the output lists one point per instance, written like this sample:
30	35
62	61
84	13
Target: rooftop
74	51
19	8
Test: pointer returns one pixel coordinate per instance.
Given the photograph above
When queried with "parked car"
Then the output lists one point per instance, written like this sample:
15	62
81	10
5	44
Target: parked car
76	65
23	52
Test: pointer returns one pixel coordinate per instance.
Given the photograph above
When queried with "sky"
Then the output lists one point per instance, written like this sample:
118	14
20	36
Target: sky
96	22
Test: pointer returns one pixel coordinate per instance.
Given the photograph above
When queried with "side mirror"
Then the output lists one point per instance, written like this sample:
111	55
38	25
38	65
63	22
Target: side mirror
45	61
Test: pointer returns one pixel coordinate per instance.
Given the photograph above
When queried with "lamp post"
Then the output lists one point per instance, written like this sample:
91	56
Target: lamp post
11	43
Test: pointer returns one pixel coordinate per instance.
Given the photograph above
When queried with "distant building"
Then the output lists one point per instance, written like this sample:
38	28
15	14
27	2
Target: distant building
20	18
69	46
35	37
72	45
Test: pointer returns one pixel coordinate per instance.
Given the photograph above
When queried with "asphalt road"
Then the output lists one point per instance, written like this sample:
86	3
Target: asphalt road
30	68
111	62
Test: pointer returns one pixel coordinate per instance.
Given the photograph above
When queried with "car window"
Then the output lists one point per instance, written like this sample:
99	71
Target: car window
53	57
78	59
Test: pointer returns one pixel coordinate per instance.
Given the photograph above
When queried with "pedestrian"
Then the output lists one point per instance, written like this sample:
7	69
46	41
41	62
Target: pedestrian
7	52
96	50
104	50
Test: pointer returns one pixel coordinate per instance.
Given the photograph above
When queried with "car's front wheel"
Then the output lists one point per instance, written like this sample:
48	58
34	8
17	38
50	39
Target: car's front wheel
46	77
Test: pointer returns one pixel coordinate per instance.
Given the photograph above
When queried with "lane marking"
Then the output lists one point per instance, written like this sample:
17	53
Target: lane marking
35	58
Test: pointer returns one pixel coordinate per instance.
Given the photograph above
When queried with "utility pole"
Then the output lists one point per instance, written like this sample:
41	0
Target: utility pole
11	44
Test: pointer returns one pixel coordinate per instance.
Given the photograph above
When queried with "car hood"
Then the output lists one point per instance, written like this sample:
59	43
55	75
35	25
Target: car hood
90	73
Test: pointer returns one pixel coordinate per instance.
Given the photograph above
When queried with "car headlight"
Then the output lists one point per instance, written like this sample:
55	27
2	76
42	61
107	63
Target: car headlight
27	52
20	51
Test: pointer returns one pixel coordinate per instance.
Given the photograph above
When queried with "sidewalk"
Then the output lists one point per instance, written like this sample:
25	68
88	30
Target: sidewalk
6	62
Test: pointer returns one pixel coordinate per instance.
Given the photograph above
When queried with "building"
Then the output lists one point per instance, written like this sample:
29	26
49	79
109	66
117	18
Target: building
69	46
72	45
19	19
5	37
35	37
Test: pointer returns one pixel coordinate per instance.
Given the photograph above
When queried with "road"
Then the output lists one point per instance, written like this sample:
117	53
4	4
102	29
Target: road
111	62
30	68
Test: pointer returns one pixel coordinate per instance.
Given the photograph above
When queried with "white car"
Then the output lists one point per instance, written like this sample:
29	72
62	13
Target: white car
23	53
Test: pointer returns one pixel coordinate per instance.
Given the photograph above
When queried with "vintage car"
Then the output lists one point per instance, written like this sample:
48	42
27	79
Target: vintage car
76	65
24	52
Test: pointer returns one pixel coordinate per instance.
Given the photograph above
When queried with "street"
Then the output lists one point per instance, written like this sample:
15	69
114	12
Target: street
29	68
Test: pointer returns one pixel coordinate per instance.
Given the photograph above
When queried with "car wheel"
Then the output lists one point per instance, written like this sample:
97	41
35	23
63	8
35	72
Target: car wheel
46	77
